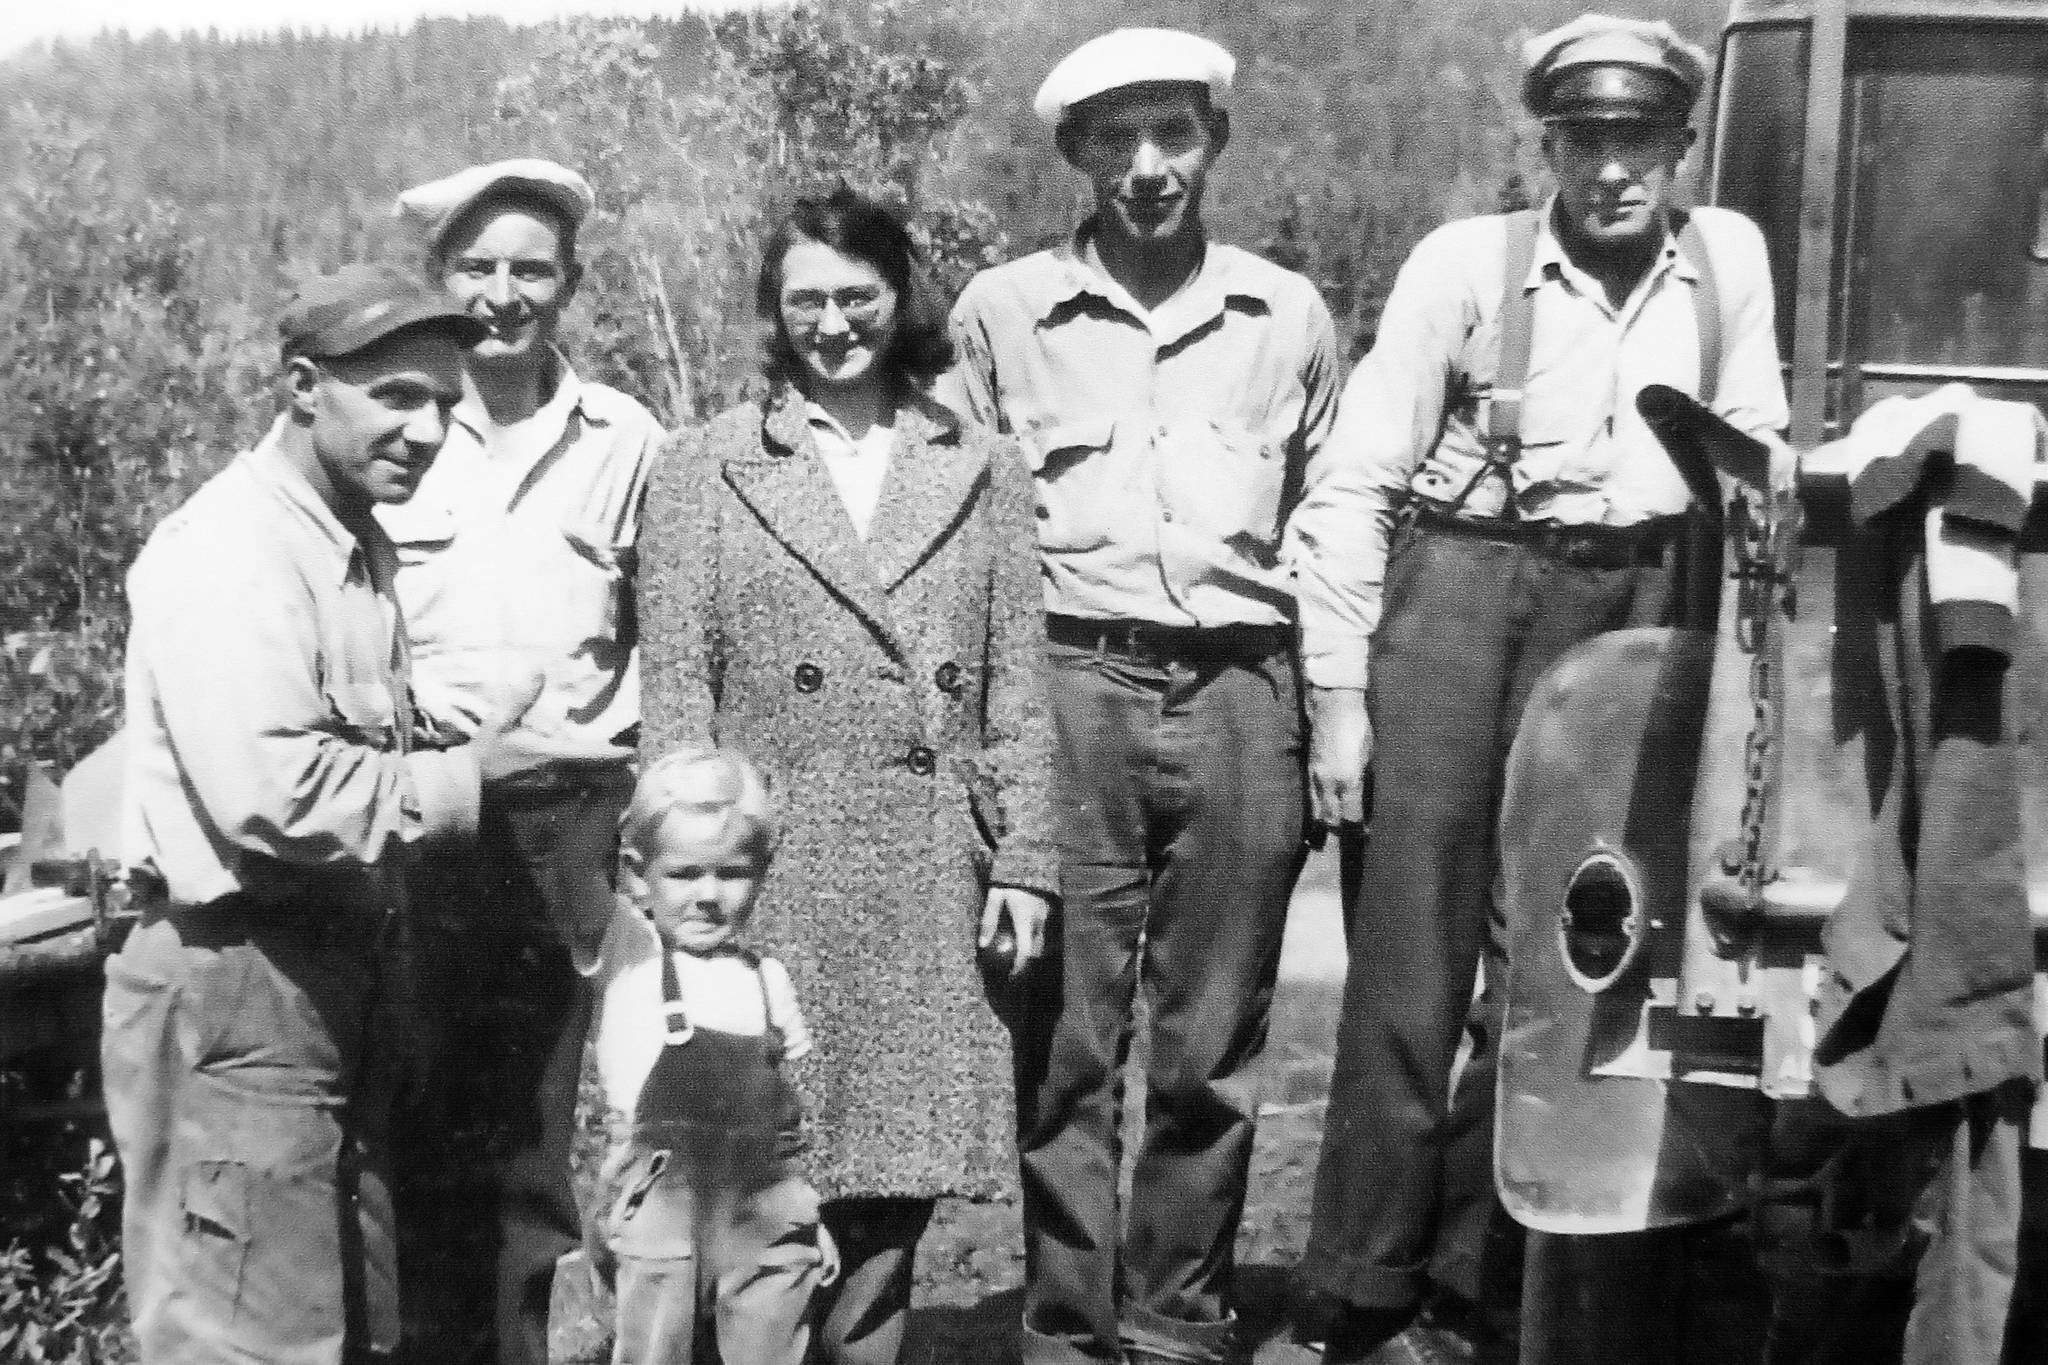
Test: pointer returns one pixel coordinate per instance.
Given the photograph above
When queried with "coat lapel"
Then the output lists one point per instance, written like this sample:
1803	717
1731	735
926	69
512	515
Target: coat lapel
788	489
932	475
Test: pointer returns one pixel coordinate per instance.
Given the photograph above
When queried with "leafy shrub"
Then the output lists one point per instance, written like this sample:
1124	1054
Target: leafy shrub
61	1300
119	390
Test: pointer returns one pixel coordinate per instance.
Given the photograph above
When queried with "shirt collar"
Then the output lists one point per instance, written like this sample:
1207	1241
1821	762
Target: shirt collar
1550	259
1218	285
571	398
276	474
786	418
818	417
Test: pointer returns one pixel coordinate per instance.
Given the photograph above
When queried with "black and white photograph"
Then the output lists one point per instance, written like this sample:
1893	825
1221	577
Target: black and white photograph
1024	682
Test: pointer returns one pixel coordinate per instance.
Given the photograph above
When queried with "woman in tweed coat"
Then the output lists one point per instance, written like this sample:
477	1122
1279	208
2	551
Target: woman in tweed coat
842	583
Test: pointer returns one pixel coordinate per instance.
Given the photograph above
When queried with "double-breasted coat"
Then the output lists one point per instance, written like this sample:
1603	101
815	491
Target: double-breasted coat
890	690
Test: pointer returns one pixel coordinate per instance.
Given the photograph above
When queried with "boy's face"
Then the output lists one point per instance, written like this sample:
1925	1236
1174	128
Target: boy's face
695	880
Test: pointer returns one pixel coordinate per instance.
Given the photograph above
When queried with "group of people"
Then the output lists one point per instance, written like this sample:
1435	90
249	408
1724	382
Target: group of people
848	764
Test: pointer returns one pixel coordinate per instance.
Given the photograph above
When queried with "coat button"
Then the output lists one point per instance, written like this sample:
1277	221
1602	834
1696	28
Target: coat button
809	677
951	678
921	760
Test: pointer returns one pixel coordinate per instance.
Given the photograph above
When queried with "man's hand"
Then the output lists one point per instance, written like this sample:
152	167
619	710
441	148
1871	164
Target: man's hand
1027	913
1340	745
509	755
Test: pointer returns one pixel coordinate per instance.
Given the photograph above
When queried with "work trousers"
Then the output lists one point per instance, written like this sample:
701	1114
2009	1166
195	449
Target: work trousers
1404	1190
503	926
1898	1238
247	1053
1182	819
743	1262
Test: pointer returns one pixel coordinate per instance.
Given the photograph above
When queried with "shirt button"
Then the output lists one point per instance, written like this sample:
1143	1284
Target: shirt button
951	678
1044	512
1161	433
921	760
1166	515
809	677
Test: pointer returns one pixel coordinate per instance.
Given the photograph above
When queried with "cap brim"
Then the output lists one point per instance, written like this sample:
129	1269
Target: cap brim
348	339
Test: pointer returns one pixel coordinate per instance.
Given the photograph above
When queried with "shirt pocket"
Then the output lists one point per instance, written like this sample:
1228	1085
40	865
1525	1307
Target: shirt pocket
1070	471
595	571
1227	481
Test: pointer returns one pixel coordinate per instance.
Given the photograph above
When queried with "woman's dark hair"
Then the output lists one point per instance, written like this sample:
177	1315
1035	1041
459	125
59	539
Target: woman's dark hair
857	226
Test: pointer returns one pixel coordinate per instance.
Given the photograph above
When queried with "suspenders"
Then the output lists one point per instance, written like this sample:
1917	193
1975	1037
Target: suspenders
1500	417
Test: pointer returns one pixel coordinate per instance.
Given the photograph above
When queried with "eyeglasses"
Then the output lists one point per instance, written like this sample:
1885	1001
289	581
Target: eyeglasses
861	303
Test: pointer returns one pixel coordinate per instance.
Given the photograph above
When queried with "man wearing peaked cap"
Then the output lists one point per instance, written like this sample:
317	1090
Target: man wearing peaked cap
1517	504
517	555
1172	395
1598	67
279	775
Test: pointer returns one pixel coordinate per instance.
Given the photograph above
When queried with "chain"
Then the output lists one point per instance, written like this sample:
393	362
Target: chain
1764	532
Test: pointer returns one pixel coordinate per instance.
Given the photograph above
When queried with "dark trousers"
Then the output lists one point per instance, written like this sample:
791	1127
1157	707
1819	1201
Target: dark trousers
1404	1191
1900	1238
247	1053
486	1155
863	1315
1183	810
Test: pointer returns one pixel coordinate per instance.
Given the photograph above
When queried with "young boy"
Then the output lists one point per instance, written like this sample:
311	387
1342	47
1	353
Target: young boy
710	1212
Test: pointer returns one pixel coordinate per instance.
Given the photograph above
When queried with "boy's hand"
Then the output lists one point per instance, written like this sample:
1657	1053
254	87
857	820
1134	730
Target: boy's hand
1026	912
828	1257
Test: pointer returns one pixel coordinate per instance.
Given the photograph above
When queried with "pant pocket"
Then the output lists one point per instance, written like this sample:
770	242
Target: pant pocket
218	1230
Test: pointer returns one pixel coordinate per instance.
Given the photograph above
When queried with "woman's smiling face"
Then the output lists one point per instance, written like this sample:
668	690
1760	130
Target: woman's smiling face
839	314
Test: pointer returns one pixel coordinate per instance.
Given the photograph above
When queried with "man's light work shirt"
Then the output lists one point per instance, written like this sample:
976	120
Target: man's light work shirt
1180	454
1410	414
516	556
269	718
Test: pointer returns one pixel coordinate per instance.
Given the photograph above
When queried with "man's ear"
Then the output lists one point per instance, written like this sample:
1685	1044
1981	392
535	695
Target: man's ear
1219	132
302	381
572	276
632	872
1688	135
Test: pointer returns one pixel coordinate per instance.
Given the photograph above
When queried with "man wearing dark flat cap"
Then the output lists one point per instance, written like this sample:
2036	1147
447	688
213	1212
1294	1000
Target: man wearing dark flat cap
1519	505
279	779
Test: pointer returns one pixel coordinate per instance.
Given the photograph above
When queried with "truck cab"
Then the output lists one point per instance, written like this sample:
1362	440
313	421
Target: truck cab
1895	155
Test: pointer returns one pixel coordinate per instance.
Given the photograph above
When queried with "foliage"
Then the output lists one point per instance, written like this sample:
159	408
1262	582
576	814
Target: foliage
788	101
120	388
61	1302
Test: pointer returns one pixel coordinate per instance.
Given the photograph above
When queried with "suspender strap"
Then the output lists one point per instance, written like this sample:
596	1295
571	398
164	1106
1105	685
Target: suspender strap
1517	332
1706	308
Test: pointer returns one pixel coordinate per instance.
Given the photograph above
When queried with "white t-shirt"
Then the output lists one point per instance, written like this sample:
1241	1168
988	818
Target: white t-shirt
724	992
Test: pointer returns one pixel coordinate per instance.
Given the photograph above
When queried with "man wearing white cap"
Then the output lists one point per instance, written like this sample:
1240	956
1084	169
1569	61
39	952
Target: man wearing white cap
516	555
1173	396
1518	505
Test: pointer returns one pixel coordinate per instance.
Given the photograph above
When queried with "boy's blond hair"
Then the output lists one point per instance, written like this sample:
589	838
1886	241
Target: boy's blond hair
702	781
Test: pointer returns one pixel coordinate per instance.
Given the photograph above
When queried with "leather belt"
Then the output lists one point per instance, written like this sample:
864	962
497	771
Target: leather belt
1588	546
1147	642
